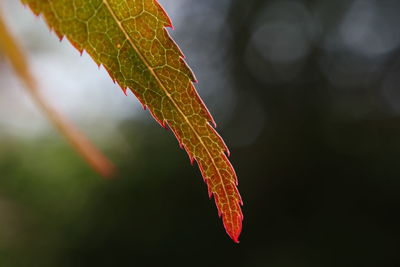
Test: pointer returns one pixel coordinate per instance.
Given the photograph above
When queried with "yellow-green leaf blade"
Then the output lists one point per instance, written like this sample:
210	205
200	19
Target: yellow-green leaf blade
129	39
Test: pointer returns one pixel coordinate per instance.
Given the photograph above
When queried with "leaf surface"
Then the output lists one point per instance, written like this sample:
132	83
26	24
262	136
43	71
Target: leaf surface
128	37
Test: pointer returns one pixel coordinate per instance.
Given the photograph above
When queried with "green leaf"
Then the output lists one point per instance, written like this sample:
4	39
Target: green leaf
128	37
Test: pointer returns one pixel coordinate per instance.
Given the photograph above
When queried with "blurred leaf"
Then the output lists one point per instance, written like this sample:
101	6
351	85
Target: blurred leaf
130	40
77	139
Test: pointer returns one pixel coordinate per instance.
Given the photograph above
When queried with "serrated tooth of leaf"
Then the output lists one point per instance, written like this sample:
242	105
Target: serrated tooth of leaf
163	14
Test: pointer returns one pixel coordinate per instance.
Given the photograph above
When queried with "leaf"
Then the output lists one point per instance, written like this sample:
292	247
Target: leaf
128	37
77	140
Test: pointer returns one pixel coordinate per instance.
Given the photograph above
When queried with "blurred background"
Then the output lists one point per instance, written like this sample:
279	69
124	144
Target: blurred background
305	93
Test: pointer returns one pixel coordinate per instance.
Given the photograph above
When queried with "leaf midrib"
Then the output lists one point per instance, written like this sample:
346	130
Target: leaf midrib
105	2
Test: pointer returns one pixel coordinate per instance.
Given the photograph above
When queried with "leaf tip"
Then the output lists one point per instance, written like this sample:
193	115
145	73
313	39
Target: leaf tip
234	232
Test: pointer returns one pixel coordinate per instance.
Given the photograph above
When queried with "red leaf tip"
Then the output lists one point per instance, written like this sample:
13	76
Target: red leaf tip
234	233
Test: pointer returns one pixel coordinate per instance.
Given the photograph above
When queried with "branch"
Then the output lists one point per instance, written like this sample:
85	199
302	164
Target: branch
78	141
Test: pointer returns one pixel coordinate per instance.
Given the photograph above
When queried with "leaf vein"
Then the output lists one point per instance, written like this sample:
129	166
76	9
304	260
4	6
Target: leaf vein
120	25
